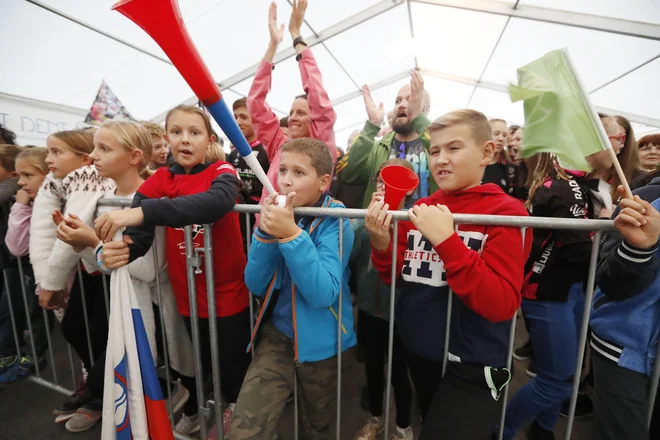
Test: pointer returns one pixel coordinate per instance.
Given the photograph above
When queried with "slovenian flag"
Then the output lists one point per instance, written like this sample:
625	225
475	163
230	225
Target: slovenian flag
133	404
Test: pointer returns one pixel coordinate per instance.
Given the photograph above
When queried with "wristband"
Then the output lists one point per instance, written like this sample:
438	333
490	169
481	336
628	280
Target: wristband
299	40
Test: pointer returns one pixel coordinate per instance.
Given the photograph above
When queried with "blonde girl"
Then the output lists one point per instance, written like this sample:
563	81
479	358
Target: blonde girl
72	186
121	152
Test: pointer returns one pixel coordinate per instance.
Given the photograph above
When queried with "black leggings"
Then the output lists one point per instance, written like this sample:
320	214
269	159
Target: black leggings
373	335
73	327
233	339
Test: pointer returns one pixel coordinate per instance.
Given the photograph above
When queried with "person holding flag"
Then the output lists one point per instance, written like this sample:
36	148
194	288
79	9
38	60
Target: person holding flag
575	153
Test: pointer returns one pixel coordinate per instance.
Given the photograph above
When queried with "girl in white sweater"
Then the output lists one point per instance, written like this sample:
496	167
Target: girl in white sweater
121	153
72	186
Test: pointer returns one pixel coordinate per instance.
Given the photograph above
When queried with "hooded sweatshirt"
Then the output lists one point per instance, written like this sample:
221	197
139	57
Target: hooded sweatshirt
483	267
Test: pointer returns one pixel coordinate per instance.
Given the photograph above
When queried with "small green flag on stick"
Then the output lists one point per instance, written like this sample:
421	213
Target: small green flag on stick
559	115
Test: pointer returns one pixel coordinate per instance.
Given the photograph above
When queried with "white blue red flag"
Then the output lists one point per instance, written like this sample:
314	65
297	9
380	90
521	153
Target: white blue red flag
133	404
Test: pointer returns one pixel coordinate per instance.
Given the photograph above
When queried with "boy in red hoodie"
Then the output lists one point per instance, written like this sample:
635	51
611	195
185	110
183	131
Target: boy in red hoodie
483	267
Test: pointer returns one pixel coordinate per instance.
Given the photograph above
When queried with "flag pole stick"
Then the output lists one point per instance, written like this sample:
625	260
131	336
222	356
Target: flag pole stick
602	134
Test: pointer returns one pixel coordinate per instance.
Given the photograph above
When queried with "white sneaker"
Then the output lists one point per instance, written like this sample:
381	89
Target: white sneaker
180	396
187	425
402	434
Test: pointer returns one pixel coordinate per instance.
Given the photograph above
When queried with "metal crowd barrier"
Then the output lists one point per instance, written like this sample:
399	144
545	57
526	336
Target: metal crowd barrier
194	266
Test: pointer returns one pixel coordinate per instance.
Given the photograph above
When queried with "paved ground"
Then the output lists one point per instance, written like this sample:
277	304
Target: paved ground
25	407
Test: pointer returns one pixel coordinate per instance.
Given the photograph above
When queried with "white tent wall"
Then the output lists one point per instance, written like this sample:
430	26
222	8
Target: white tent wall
33	121
61	50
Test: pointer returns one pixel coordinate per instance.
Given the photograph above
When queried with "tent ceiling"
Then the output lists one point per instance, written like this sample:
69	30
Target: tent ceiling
60	51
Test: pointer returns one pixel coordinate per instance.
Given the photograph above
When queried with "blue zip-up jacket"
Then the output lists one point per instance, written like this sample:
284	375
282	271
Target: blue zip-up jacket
317	274
625	317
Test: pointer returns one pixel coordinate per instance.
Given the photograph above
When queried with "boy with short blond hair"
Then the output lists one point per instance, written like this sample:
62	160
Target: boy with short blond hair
160	150
481	266
294	264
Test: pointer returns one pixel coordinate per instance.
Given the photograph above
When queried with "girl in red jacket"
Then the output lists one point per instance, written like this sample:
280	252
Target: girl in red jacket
193	192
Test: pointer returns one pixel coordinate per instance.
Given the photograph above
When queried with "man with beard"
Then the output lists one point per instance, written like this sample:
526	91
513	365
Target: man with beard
408	140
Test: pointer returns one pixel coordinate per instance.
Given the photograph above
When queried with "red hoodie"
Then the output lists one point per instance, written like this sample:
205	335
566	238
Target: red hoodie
483	265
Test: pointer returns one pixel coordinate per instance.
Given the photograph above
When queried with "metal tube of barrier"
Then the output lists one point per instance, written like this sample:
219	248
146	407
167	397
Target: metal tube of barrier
50	386
192	265
450	298
85	317
28	318
295	406
248	242
653	391
73	371
11	313
213	328
51	353
163	335
509	358
106	296
583	331
390	336
459	219
339	321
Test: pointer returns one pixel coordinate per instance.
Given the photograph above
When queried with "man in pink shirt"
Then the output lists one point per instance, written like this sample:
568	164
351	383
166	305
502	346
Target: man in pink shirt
311	114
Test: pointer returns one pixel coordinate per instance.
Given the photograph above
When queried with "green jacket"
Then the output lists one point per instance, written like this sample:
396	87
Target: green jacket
373	294
365	157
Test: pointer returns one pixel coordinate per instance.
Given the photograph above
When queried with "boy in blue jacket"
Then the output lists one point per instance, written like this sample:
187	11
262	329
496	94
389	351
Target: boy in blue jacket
625	319
296	265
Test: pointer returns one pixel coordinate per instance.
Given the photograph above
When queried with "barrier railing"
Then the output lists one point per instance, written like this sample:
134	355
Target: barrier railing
194	266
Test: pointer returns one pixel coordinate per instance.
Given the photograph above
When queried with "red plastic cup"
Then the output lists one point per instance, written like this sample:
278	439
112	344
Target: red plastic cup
398	181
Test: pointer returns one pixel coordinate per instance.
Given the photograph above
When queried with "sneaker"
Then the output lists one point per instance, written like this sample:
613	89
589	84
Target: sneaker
180	396
71	405
371	429
6	362
187	425
531	370
226	419
402	434
86	417
18	370
536	433
523	352
584	407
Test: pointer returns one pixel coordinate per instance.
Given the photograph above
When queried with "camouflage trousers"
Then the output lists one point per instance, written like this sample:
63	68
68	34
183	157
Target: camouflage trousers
269	383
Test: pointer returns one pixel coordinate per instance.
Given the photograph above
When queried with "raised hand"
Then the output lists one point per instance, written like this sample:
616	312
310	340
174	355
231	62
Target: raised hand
416	95
76	233
375	113
297	17
276	32
22	197
279	221
638	222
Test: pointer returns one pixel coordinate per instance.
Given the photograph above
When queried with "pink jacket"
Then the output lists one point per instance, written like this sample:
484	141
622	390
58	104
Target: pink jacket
18	229
267	124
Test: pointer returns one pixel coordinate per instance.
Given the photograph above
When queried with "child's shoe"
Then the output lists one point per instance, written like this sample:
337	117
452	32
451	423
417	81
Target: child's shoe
18	370
371	429
402	434
69	408
86	417
6	362
187	425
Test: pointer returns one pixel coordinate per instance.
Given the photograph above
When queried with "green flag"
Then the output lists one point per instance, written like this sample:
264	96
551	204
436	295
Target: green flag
559	117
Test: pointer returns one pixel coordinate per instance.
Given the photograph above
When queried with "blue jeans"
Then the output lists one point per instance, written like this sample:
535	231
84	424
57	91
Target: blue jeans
554	329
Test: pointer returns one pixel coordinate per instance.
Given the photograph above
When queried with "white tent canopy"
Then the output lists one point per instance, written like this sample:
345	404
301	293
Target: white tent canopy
59	51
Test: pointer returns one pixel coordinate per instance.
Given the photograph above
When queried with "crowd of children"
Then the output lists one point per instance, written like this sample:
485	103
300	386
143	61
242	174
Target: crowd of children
467	279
